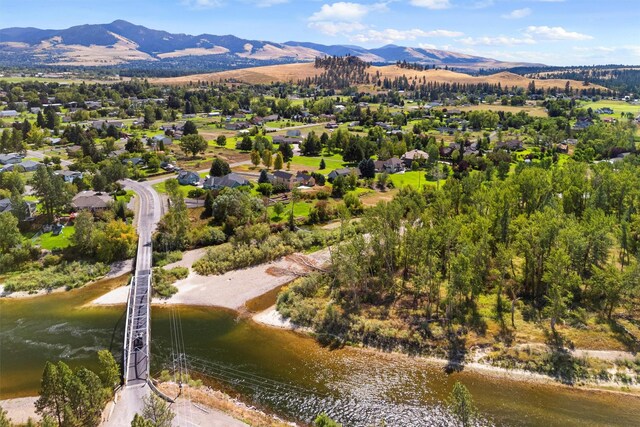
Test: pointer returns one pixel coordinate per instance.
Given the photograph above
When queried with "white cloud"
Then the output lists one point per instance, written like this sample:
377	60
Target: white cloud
496	41
391	35
342	17
344	11
427	46
555	33
517	13
335	28
432	4
202	4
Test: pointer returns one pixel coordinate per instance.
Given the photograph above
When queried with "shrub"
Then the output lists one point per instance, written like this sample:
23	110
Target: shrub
160	259
163	280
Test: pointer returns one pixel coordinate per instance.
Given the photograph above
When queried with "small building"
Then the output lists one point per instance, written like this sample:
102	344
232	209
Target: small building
69	176
236	126
294	133
188	178
342	172
232	180
91	200
8	113
283	178
415	154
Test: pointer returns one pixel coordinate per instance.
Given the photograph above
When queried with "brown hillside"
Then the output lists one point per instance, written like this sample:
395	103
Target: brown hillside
295	72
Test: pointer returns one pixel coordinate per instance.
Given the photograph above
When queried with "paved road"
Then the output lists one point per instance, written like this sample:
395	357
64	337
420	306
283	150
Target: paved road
40	155
136	373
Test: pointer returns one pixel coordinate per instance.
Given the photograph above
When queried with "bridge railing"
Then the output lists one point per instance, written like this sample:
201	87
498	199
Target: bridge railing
127	332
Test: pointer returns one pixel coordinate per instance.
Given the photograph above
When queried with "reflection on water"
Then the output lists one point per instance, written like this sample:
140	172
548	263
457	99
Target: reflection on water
302	379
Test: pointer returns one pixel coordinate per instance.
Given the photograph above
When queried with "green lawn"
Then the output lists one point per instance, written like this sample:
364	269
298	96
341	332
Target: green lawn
414	179
617	107
332	162
49	241
300	209
127	197
160	188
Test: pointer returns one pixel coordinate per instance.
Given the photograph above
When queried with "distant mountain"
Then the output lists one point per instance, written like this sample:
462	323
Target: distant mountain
124	44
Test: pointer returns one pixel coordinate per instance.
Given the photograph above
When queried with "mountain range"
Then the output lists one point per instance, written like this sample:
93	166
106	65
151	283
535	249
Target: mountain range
122	43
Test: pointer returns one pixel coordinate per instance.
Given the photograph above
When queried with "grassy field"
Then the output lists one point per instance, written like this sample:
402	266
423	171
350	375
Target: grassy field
160	188
49	241
300	209
532	111
414	179
313	163
617	107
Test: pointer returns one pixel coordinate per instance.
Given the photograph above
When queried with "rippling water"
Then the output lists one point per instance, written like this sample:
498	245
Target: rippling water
284	371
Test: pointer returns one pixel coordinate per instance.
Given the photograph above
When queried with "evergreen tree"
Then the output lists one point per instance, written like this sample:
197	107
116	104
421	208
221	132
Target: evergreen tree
263	179
286	150
221	140
367	168
461	404
219	167
323	165
190	128
279	162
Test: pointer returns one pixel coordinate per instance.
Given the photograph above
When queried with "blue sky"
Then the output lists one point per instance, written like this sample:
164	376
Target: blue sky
557	32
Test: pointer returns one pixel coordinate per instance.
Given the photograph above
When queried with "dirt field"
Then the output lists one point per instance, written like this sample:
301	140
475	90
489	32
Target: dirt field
295	72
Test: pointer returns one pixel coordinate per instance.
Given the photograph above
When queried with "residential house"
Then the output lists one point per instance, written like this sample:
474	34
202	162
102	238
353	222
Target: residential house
23	166
511	145
11	158
99	124
8	113
304	179
562	148
342	172
294	133
236	126
166	141
392	165
415	154
188	178
134	161
582	124
279	139
5	206
91	200
231	180
271	118
284	178
69	176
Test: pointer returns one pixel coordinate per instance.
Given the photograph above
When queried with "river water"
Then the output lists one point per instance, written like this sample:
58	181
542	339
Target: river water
283	371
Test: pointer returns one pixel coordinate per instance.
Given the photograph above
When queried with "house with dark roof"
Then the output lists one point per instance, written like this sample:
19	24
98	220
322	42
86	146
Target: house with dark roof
91	200
11	158
279	139
23	166
342	172
188	178
392	165
284	178
511	145
6	206
232	180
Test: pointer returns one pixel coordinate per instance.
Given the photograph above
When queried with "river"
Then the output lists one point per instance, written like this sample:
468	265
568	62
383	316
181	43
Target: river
283	371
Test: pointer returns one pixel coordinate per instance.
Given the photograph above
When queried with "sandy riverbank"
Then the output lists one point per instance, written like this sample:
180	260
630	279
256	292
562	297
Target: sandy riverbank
271	317
20	409
229	290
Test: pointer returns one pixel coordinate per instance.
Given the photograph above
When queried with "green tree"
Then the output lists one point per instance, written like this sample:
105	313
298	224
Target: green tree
115	240
53	399
109	371
139	421
157	411
323	165
278	209
51	191
189	128
5	421
461	405
149	116
267	158
255	158
193	144
221	140
279	161
323	420
174	226
219	167
83	238
560	280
